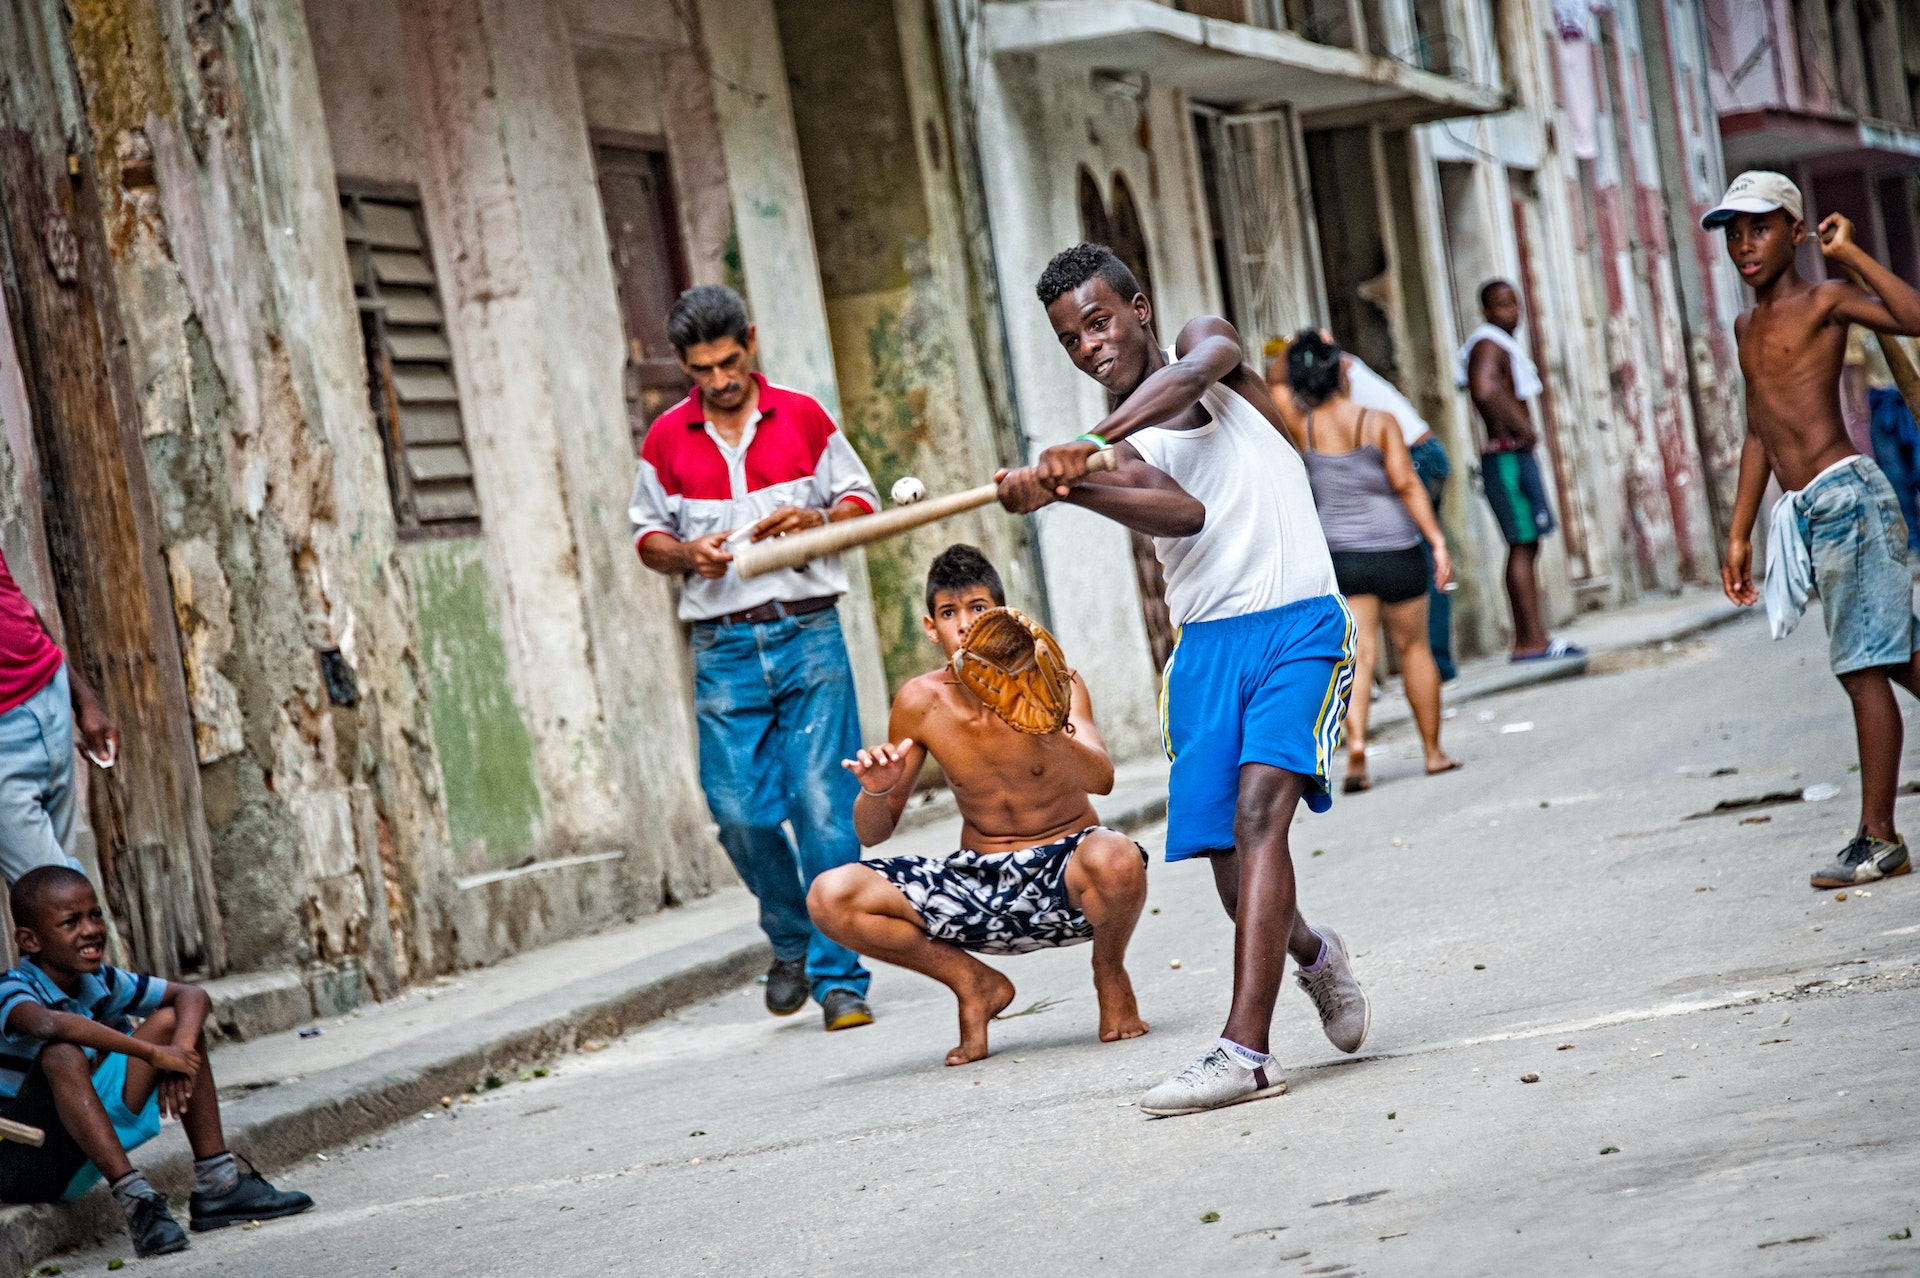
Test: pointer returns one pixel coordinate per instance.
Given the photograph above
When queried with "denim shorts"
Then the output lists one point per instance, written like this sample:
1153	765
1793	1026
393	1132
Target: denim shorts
1858	544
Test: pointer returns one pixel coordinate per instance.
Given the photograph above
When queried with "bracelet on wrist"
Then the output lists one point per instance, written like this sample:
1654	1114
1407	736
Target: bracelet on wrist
1091	438
878	794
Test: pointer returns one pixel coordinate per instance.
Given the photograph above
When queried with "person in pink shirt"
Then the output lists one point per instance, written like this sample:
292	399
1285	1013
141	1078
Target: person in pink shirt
44	707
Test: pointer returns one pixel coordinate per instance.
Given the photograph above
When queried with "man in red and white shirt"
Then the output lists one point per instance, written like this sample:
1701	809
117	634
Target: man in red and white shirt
773	689
43	706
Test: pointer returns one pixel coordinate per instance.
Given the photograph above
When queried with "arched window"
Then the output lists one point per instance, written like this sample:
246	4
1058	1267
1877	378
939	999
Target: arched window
1094	228
1128	234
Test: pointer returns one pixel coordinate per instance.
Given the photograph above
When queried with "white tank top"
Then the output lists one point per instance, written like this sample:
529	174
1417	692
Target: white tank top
1262	546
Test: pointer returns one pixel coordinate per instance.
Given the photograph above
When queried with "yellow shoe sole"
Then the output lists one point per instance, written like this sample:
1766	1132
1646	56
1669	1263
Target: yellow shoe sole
849	1020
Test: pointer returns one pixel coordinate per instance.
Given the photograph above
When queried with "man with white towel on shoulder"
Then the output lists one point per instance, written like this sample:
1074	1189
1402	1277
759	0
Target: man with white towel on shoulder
1497	371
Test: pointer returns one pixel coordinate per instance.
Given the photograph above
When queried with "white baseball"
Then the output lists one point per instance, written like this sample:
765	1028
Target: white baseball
907	490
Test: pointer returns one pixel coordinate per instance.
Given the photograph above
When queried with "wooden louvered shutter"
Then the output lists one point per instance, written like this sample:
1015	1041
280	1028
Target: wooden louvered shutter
409	361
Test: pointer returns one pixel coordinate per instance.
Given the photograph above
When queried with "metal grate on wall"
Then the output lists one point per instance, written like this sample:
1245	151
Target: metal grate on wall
416	402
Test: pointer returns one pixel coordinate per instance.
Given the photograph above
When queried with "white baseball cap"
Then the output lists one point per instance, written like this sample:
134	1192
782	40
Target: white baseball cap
1756	191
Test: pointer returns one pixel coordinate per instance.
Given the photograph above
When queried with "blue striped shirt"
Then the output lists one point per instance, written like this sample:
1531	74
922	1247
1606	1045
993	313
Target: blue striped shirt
110	997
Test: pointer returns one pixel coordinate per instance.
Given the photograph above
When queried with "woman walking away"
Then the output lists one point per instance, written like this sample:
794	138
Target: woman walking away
1374	511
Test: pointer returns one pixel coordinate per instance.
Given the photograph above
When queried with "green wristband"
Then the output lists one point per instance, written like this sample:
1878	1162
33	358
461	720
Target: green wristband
1093	439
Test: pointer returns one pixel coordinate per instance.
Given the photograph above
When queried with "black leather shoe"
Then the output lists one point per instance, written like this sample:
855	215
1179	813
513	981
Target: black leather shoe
843	1009
251	1198
787	986
153	1228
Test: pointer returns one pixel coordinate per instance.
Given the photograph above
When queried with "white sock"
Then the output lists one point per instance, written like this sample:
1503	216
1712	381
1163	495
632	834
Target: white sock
1319	962
1245	1057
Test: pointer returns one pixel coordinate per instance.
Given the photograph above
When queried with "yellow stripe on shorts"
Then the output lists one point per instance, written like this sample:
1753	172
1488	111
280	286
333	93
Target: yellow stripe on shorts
1331	723
1166	681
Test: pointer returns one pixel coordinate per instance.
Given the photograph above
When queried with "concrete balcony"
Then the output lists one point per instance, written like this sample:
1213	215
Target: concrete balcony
1232	64
1772	137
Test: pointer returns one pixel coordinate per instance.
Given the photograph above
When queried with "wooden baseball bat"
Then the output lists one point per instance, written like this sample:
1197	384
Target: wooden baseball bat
10	1130
758	558
1904	375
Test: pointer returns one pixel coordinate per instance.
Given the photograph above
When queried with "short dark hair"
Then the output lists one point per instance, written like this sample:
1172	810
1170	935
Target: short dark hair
32	889
1070	268
960	567
706	314
1487	290
1313	368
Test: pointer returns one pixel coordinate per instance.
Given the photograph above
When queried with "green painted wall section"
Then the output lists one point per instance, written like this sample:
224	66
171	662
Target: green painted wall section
486	753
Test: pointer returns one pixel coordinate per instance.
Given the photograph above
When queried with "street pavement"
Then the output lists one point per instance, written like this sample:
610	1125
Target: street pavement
1724	1056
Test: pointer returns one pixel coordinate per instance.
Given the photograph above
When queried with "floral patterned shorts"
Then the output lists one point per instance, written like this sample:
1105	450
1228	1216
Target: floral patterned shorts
995	903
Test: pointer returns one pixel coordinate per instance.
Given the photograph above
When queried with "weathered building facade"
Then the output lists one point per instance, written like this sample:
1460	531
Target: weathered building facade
1828	93
1587	197
331	330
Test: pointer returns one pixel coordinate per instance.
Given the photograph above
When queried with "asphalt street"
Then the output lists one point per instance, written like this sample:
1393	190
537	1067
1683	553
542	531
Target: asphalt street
1725	1057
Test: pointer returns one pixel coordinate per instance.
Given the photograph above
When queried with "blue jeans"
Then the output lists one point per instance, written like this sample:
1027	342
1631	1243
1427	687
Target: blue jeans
1430	463
776	710
1896	448
36	780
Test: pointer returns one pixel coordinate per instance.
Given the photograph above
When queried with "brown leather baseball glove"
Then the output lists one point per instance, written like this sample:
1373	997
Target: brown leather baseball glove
1012	664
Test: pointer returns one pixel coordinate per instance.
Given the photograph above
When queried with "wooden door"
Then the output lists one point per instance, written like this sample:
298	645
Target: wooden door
102	535
649	271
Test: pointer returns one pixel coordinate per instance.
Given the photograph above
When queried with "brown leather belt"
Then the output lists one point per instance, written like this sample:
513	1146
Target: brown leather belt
766	612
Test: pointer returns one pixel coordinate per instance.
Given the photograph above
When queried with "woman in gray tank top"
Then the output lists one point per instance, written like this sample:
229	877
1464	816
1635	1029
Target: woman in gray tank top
1375	513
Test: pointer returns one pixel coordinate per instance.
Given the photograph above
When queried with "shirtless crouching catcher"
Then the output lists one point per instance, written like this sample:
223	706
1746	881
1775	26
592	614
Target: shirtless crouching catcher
1037	870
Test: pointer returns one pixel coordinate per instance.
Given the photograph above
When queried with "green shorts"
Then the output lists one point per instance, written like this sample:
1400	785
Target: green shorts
1518	496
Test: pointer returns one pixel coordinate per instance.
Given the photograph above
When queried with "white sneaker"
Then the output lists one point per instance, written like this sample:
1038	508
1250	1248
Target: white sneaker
1214	1080
1345	1013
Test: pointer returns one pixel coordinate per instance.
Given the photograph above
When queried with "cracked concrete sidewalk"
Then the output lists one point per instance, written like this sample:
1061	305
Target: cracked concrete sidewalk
285	1097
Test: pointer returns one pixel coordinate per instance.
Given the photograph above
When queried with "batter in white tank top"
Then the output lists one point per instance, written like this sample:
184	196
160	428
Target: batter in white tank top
1262	547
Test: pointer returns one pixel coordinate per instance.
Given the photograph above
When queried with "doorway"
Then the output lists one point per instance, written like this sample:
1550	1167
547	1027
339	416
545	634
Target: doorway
1117	224
649	268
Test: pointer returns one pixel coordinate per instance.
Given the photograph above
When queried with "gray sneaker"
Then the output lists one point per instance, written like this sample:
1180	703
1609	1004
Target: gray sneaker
1214	1080
1345	1013
1865	860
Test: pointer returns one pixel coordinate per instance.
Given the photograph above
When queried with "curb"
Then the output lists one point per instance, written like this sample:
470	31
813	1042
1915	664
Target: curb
287	1123
1532	674
284	1124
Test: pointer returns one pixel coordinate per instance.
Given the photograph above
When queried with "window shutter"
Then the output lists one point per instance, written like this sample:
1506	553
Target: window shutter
416	400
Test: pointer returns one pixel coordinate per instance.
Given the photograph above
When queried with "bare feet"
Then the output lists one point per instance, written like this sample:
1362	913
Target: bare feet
987	999
1436	764
1119	1015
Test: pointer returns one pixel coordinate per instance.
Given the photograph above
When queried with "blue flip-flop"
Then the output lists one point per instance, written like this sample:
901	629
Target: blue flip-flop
1556	650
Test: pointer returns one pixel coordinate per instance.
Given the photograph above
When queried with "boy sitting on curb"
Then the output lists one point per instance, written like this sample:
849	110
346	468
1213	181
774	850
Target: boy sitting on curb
69	1066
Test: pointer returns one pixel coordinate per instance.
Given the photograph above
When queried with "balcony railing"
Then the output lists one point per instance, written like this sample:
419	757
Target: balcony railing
1427	43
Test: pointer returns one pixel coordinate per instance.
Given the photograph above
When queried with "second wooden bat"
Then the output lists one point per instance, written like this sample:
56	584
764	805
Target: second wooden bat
794	549
1905	378
10	1130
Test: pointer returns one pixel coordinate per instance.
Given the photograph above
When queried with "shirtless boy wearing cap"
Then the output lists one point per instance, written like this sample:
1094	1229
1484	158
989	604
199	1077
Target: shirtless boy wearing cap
1838	524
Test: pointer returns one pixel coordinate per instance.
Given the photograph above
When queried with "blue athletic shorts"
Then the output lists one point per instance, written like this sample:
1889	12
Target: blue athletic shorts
134	1130
1270	687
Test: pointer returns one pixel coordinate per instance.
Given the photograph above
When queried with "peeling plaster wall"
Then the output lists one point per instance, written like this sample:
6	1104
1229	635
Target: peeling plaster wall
553	660
329	843
873	147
